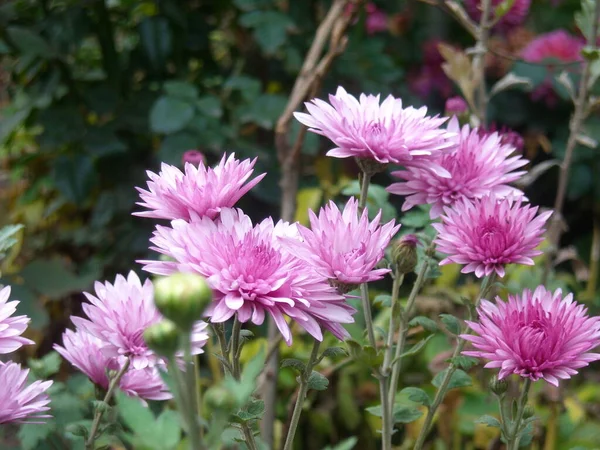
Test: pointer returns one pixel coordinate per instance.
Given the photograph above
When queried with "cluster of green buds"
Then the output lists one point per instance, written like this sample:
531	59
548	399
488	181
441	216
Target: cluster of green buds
181	298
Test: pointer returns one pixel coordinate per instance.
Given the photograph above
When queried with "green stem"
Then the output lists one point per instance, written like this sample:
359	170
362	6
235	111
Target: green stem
364	191
304	377
113	385
517	429
191	393
441	392
404	318
220	333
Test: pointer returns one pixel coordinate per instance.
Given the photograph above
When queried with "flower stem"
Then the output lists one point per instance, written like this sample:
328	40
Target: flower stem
364	191
483	34
443	389
404	318
191	392
112	386
517	429
304	377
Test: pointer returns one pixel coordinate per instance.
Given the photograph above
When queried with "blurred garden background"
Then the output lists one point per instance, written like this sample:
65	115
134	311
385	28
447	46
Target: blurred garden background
95	92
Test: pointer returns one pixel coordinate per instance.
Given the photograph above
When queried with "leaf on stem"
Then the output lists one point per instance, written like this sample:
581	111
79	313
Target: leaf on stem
425	322
417	347
417	395
294	363
451	323
457	380
490	421
317	381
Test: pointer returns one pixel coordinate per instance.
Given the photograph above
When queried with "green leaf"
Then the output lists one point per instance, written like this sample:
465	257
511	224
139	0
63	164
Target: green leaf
210	106
347	444
464	362
270	28
31	435
295	364
490	421
384	299
74	177
264	110
168	429
135	415
253	411
585	18
317	381
156	39
29	42
46	366
417	395
170	114
175	145
406	414
425	322
416	218
458	379
248	87
7	239
451	323
51	278
181	89
417	347
334	352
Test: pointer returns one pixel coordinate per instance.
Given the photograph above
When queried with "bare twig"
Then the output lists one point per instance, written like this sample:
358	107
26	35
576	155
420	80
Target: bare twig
332	29
555	228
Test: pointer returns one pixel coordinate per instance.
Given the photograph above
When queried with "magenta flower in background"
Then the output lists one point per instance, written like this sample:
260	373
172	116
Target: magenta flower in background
11	328
507	136
479	166
19	402
198	192
251	273
515	16
118	316
386	132
193	157
487	234
456	106
538	335
84	351
377	20
430	80
342	246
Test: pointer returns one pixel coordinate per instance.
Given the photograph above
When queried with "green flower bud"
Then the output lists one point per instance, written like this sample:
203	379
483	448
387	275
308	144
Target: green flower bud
498	387
219	399
162	338
528	411
182	298
404	254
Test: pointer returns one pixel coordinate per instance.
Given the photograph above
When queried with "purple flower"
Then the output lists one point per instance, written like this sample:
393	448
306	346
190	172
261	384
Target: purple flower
386	133
456	106
514	17
377	20
11	328
118	316
198	192
488	234
19	402
538	335
193	157
480	165
85	352
251	273
342	246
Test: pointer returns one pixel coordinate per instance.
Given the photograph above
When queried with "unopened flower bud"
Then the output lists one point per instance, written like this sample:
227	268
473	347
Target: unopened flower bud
370	166
193	157
456	106
162	338
404	254
219	399
528	412
182	298
498	387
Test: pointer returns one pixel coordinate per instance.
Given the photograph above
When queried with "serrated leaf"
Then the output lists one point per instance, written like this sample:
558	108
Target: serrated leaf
294	363
490	421
451	323
253	411
317	381
425	322
417	395
334	352
464	362
417	347
458	379
46	366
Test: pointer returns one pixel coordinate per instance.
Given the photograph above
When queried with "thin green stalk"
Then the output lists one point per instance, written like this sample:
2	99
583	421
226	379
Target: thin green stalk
517	429
441	392
220	333
404	318
113	385
304	377
191	393
364	190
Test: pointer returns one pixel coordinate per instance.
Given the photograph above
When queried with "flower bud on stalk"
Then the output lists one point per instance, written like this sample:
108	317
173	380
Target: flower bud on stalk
498	387
162	338
528	412
219	399
182	298
404	254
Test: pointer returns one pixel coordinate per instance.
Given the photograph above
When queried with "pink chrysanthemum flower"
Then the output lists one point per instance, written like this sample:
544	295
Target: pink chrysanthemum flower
515	16
251	273
488	234
118	316
84	351
198	192
342	246
386	132
19	402
538	335
11	328
480	165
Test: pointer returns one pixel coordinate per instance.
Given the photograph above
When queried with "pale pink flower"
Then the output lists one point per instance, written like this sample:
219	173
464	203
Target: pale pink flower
456	106
118	316
84	351
250	273
197	192
538	335
487	234
11	327
19	402
342	246
515	16
193	157
386	132
480	165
